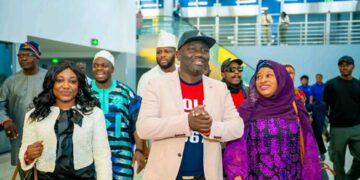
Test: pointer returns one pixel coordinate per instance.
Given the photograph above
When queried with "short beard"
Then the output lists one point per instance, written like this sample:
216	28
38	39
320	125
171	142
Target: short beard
196	71
168	65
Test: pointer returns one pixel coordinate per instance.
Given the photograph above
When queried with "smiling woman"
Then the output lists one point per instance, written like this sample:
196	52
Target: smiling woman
65	89
266	83
66	120
274	138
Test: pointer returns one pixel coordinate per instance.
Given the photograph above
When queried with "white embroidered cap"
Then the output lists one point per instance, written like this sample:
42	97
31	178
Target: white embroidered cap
106	55
166	39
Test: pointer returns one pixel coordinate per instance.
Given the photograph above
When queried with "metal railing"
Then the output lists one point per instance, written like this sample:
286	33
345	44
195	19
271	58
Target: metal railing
249	34
298	33
152	26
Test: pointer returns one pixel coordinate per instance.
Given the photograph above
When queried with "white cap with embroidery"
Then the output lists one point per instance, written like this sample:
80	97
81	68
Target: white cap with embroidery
166	40
106	55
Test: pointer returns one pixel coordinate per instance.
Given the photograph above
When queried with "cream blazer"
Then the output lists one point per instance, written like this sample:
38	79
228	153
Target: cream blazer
162	119
90	143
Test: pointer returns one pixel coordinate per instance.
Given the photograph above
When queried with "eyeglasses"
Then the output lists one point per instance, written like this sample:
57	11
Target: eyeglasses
25	55
233	69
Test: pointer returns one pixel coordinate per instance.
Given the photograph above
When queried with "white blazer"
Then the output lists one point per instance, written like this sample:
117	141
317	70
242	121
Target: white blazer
162	119
90	143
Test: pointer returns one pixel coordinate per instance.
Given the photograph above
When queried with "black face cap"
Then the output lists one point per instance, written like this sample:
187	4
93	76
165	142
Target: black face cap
346	59
227	63
195	35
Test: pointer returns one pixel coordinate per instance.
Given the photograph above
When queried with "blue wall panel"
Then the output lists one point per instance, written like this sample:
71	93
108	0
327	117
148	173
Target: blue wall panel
272	5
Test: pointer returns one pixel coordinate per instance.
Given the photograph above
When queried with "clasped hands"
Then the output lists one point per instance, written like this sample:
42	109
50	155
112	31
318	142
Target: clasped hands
199	119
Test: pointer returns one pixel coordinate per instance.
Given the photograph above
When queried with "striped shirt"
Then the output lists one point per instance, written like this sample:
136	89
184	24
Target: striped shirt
121	106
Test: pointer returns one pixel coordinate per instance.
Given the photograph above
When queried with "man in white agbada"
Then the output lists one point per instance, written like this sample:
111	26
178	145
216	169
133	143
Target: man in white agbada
165	58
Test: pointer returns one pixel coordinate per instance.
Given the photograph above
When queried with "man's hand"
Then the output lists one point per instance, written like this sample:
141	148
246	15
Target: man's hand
10	130
199	119
139	158
35	150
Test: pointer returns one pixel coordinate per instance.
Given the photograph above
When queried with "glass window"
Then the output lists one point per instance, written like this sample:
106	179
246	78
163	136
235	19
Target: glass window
317	17
315	1
206	3
187	3
195	3
238	2
5	57
293	1
340	16
296	17
247	19
356	15
151	4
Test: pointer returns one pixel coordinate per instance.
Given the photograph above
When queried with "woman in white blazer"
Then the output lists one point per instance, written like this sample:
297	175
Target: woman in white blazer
65	134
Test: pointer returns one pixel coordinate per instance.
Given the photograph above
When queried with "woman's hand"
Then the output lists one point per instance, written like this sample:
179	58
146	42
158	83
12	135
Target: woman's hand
238	178
34	150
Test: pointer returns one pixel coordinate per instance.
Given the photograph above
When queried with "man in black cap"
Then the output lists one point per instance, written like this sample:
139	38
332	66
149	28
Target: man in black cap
187	115
342	98
231	73
17	93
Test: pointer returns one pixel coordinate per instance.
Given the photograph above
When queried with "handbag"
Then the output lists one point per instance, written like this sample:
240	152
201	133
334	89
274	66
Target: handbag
32	174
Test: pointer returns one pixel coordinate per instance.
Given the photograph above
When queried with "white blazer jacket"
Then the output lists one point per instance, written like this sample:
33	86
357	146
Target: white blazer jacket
90	143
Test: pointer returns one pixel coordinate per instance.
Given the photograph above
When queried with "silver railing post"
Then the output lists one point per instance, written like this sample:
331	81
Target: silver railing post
327	28
306	29
349	29
236	30
217	27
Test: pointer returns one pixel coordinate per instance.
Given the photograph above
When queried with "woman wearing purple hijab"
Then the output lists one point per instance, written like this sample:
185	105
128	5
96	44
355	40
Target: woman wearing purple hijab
270	147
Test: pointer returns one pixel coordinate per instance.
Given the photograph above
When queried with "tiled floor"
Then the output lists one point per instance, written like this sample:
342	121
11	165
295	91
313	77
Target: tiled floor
6	170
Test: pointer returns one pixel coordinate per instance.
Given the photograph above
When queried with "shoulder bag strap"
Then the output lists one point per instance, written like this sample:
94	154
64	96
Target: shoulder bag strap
301	138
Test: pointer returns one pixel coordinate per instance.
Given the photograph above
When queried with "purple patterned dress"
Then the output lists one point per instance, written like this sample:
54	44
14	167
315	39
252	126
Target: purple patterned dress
273	146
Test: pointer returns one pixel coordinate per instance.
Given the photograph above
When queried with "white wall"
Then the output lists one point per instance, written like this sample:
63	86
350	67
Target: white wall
112	22
72	21
308	60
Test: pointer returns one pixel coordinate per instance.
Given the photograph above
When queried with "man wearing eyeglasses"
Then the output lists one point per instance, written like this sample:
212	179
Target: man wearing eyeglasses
17	93
231	72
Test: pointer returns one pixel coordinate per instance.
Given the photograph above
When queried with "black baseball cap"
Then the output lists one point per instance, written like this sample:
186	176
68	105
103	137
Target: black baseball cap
227	63
346	59
195	35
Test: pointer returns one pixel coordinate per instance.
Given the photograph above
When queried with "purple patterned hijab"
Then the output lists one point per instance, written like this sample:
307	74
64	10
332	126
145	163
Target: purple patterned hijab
279	105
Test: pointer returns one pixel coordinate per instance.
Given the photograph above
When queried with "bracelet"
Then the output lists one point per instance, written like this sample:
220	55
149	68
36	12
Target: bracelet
26	158
139	150
5	121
